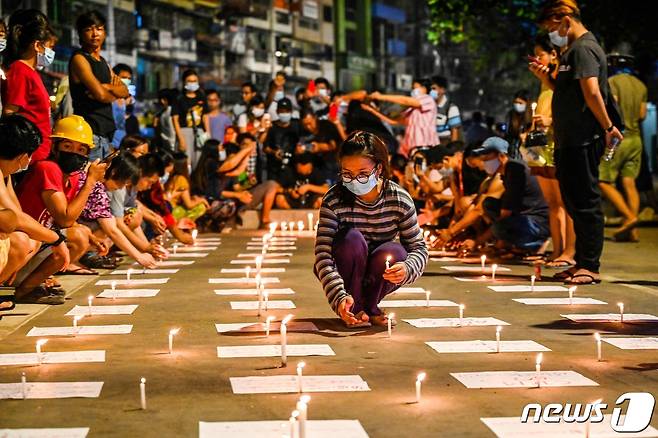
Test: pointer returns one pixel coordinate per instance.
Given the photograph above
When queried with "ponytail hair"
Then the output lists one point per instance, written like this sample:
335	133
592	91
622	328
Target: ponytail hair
25	27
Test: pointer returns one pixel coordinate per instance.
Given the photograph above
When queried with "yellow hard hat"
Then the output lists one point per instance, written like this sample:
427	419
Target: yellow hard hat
74	128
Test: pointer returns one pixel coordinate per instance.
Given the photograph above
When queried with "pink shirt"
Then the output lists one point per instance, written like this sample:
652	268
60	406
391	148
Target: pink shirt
421	125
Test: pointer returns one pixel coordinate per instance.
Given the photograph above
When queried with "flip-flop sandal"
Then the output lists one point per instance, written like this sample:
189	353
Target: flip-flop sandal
40	295
534	258
79	271
559	263
564	275
592	280
7	299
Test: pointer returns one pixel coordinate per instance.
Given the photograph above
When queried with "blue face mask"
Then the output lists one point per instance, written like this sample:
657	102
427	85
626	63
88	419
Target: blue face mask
557	39
278	95
491	166
285	117
360	189
191	86
434	94
46	58
416	92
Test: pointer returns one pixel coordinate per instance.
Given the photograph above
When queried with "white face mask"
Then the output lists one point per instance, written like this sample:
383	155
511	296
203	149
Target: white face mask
191	86
360	189
520	107
323	92
46	58
416	92
222	155
278	95
491	166
257	112
557	39
3	44
164	178
285	117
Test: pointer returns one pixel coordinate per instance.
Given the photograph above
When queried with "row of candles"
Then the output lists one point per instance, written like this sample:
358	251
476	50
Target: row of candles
290	226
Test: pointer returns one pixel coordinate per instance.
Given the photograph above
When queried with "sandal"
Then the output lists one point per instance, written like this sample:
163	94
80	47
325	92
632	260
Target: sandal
565	275
40	295
79	270
97	262
560	263
587	277
7	299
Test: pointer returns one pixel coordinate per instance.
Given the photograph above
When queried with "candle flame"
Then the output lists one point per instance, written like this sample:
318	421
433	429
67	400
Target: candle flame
533	278
494	266
270	318
533	105
78	317
389	258
294	414
572	290
305	399
499	328
462	307
483	257
41	342
421	377
391	316
540	356
301	365
597	336
174	331
143	380
287	319
90	297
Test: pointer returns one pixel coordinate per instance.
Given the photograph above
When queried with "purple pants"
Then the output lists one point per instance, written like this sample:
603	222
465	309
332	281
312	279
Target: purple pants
362	272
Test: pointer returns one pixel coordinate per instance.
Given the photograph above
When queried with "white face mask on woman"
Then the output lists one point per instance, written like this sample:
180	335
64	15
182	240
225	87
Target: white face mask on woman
258	112
359	188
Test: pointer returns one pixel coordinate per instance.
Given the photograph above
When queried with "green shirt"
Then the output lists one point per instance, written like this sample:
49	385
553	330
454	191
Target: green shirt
630	94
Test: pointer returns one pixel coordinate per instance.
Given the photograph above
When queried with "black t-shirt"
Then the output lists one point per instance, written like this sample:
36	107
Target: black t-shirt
327	161
574	125
283	138
522	192
190	110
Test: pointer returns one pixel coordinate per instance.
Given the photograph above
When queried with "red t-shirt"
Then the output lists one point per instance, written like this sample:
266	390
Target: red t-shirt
24	88
44	175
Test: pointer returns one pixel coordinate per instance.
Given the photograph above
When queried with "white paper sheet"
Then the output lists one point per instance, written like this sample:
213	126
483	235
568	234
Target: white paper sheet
272	248
243	280
611	317
416	303
208	239
62	432
39	390
528	288
52	357
132	282
485	278
453	322
511	427
272	243
575	301
410	290
81	330
275	429
522	379
253	255
443	253
252	271
253	262
127	309
288	384
259	240
633	343
188	255
166	263
444	259
254	292
128	293
271	305
486	346
476	269
292	350
259	327
195	248
144	271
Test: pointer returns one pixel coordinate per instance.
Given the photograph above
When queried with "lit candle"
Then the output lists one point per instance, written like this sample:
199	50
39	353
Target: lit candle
24	385
419	380
266	298
533	106
291	225
498	330
483	261
195	233
172	333
114	290
273	227
76	318
40	342
247	271
432	239
317	224
142	392
538	368
259	262
284	226
426	235
302	407
427	298
90	299
259	289
621	312
494	267
300	368
266	237
175	248
268	321
284	340
300	226
461	314
130	271
390	324
532	282
310	221
388	261
597	336
293	424
572	290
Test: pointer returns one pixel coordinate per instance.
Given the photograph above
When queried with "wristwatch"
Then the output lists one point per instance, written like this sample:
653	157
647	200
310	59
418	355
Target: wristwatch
60	238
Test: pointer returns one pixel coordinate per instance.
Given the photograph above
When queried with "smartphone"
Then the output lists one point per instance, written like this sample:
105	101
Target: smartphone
533	59
111	157
333	111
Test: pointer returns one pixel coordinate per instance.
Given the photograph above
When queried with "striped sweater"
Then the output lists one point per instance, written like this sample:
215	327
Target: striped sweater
393	214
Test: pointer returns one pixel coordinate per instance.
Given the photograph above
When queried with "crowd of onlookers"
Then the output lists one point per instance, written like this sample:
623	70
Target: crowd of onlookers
80	182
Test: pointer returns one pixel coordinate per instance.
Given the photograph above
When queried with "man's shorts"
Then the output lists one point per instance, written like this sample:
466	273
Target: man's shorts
42	254
626	162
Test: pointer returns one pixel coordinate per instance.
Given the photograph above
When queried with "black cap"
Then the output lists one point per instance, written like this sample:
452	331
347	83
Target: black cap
284	104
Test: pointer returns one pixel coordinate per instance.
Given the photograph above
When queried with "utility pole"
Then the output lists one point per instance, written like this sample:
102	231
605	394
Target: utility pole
272	40
110	41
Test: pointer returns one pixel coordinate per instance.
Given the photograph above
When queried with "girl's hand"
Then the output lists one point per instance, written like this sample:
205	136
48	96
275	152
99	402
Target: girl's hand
396	273
344	310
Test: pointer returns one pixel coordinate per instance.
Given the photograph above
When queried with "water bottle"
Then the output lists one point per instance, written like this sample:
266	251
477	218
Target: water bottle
611	149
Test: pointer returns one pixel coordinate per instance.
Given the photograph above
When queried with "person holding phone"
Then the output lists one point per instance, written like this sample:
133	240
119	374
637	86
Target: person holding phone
321	139
582	128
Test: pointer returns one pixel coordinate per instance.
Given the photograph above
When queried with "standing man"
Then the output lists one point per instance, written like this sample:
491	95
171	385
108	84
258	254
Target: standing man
631	96
582	128
448	119
93	85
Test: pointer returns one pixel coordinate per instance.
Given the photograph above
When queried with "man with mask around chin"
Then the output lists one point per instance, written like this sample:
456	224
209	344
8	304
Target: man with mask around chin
520	216
49	194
